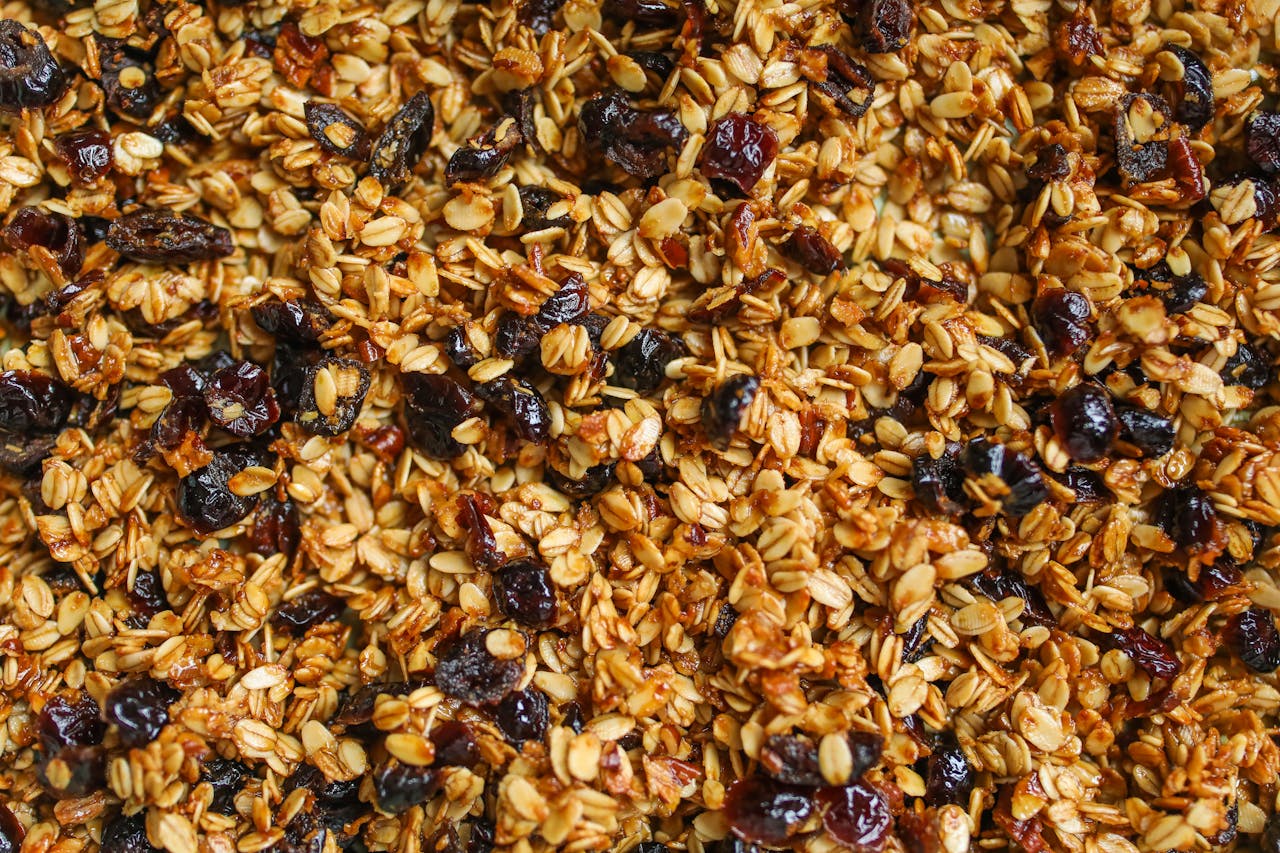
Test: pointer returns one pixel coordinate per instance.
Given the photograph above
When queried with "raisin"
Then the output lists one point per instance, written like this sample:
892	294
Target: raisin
1026	832
459	348
1213	583
647	14
1150	433
87	154
536	201
1189	517
594	481
1262	141
276	528
176	130
31	402
847	84
1260	202
11	831
1186	170
206	503
999	584
1052	163
240	400
1252	636
1084	422
858	816
332	394
1179	293
914	644
30	78
482	546
539	15
486	156
636	140
949	777
523	716
164	236
302	321
807	247
127	835
517	337
1022	479
1077	39
725	620
313	607
433	406
572	717
467	671
404	141
881	26
791	760
1249	367
147	596
61	235
866	748
766	812
455	744
525	593
939	483
24	455
641	364
336	132
571	302
139	708
724	408
520	404
1141	159
227	778
1194	90
64	722
1062	319
1149	653
1228	833
357	708
738	151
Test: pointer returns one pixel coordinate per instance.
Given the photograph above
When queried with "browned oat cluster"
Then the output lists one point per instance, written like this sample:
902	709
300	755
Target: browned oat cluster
445	427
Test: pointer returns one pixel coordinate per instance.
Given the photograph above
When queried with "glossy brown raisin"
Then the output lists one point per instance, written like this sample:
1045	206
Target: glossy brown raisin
61	235
30	78
792	760
1085	422
1194	102
433	406
32	402
206	502
1019	486
484	157
138	93
1052	163
950	777
313	607
333	392
520	404
724	408
240	400
139	708
807	247
336	132
468	671
858	816
525	593
399	787
1262	140
636	140
87	154
301	321
523	716
404	141
163	236
276	528
846	84
1252	636
641	364
1142	154
1149	653
766	812
738	151
1062	319
881	26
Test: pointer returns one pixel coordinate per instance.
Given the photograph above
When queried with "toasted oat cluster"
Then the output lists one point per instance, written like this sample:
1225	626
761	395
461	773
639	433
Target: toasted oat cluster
639	425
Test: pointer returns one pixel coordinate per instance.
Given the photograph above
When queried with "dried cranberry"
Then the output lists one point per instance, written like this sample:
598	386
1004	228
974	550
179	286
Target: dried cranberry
127	834
949	778
404	141
205	502
520	404
642	364
332	395
61	235
335	131
525	593
1249	367
455	744
30	78
1252	636
1149	653
857	815
1062	319
791	760
846	83
227	778
164	236
467	671
765	812
1023	481
64	722
313	607
139	708
880	26
807	247
636	140
1142	159
87	154
939	483
31	402
723	410
138	99
999	584
1085	422
433	406
1052	163
523	716
486	156
1150	433
302	321
1262	141
240	400
738	150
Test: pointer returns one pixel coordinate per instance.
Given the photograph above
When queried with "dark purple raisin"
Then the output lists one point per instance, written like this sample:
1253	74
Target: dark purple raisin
139	708
127	834
131	101
1062	319
1088	486
572	717
1183	293
455	744
866	748
459	349
1150	433
147	596
725	620
939	483
1149	653
949	777
858	816
525	593
23	455
482	837
999	584
724	408
1008	347
468	672
87	154
205	502
594	481
1085	422
433	406
335	131
276	528
1142	159
1262	141
523	716
164	236
11	831
61	235
536	201
240	400
302	321
63	722
1194	91
357	708
659	64
1188	516
1249	367
400	787
571	302
765	812
916	641
30	78
1252	636
636	140
646	14
1265	199
518	337
1214	582
539	15
176	130
520	404
738	151
846	83
807	247
313	607
791	760
482	546
1021	487
404	141
31	402
1227	834
1052	164
332	395
227	778
484	157
641	364
881	26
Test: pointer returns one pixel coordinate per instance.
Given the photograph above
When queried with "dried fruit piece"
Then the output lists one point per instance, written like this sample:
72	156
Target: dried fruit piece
647	14
127	834
487	155
167	237
30	78
807	247
399	787
1252	636
332	394
311	608
765	812
1150	433
1018	484
1149	653
950	777
276	528
522	716
65	722
1248	367
335	131
455	742
61	235
302	321
791	760
642	364
858	816
1052	163
571	302
866	748
520	404
1262	140
139	708
1084	422
847	84
525	593
128	79
227	778
939	483
433	406
240	400
738	151
999	584
31	402
1142	130
723	410
1194	87
404	141
1188	516
12	831
880	26
205	502
539	15
536	201
1062	319
469	672
87	154
636	140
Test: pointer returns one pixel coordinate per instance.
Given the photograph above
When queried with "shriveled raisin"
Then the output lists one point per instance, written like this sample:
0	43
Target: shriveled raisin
939	483
455	744
1150	433
857	815
536	201
335	131
61	235
647	14
164	236
523	716
950	777
1252	636
636	140
1062	319
738	151
127	834
227	778
642	364
310	608
1262	140
67	722
866	748
525	593
276	528
881	26
12	831
240	400
468	671
1085	422
1249	366
569	303
594	481
792	760
399	787
30	78
1052	163
807	247
206	502
1142	127
302	321
539	15
1149	653
520	404
845	83
31	402
724	408
1019	481
404	141
138	93
766	812
484	157
139	708
332	394
999	584
87	154
433	406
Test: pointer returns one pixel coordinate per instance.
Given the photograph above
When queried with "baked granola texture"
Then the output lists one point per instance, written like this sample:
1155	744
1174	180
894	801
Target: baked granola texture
638	425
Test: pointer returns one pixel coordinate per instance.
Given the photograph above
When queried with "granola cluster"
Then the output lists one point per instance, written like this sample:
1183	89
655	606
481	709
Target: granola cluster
445	427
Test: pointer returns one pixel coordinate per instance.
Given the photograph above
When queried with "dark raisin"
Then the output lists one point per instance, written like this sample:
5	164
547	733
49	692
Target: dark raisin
636	140
205	502
357	708
520	404
594	481
127	835
1265	205
1062	319
1084	422
725	620
139	708
459	349
135	101
467	671
176	130
1270	839
404	141
1227	834
517	337
523	716
572	717
484	157
313	607
569	303
433	406
535	201
147	596
1027	832
1262	141
1252	636
66	722
482	546
240	400
732	844
1142	159
336	802
1188	516
539	15
11	831
847	84
765	812
302	321
1249	367
1150	433
949	778
482	836
455	744
647	14
791	760
332	395
724	408
1182	293
227	778
641	365
916	641
738	151
164	236
1052	164
882	26
61	235
659	64
30	78
1021	487
999	584
31	402
807	247
23	455
335	131
858	816
525	593
87	154
1149	653
79	771
939	483
1214	582
866	747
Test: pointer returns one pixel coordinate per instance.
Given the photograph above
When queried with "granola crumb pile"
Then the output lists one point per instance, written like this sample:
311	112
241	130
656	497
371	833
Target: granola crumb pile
639	425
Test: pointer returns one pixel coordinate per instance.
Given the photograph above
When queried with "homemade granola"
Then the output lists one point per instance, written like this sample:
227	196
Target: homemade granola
442	427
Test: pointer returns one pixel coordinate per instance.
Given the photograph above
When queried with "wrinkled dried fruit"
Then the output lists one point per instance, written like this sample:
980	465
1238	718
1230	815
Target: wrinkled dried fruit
137	95
468	672
525	593
311	608
723	410
487	155
738	151
139	708
399	787
1188	516
61	235
127	834
30	78
766	812
866	747
1194	89
939	483
205	502
642	364
636	140
404	141
1019	482
335	131
520	404
950	777
1252	636
1084	422
64	722
1150	433
536	201
240	400
227	778
433	406
999	584
539	15
1062	319
276	528
791	760
1149	653
594	481
858	816
647	14
523	716
1142	128
569	303
166	237
87	154
1052	164
846	83
11	831
1249	367
1262	140
807	247
332	394
31	402
881	26
302	321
